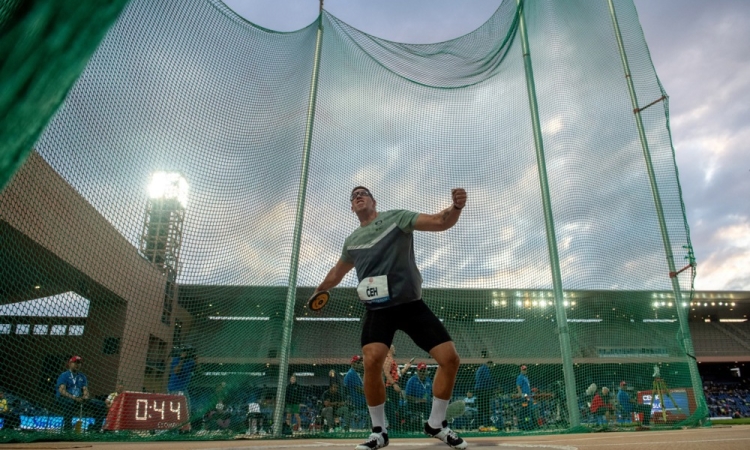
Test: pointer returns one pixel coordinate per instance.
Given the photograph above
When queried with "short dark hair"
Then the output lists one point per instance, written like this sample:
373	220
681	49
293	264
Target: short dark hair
361	187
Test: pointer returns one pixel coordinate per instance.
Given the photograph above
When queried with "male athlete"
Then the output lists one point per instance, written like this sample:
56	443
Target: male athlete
390	286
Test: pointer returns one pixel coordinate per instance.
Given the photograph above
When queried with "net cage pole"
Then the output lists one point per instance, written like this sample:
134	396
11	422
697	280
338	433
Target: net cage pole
286	336
561	316
687	343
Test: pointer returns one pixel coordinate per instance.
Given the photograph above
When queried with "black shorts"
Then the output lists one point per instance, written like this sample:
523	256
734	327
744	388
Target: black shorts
413	318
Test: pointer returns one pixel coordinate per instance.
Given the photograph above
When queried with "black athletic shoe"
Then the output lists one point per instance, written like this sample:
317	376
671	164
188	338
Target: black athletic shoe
378	439
446	435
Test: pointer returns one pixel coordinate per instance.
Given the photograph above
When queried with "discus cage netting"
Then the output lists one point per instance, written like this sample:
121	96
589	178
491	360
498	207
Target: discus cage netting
550	115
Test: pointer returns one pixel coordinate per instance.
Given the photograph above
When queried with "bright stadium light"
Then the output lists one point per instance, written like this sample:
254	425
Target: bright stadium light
499	320
168	185
260	318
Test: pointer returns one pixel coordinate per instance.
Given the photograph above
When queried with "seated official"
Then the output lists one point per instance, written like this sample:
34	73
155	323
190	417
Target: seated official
73	399
601	406
335	408
111	397
629	405
419	392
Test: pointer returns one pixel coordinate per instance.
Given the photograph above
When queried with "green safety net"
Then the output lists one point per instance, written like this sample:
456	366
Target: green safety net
192	190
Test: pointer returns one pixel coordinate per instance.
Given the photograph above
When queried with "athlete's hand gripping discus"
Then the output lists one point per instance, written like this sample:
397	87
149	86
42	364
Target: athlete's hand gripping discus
318	300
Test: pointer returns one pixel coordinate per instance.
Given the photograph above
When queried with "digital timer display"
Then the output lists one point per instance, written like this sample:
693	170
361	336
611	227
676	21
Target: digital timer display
145	411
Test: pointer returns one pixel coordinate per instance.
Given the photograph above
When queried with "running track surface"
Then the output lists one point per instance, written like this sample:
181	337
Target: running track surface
715	438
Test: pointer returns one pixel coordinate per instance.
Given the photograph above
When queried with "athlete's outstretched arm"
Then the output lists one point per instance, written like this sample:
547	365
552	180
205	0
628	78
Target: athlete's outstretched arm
445	218
335	275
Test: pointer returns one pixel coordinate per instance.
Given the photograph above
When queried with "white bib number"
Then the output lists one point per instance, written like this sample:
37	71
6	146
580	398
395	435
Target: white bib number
374	289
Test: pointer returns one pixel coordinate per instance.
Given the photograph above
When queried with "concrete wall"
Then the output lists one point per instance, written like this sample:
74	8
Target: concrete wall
45	208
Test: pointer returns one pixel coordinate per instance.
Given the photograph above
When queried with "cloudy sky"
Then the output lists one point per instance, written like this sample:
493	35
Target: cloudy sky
701	54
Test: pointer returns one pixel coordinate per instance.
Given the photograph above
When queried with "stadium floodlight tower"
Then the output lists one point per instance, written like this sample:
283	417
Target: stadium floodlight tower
162	230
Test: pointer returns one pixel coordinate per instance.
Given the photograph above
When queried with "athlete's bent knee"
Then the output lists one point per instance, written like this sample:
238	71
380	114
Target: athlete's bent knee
451	361
446	356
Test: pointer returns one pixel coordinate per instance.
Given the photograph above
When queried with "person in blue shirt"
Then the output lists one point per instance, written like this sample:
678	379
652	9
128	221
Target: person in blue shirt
354	386
73	398
484	390
522	383
180	371
630	406
527	416
418	391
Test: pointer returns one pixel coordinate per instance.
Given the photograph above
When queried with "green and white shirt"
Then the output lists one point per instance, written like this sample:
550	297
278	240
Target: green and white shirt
383	254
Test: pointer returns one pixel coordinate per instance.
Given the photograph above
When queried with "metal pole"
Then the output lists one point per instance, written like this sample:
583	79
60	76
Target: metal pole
286	336
681	312
562	318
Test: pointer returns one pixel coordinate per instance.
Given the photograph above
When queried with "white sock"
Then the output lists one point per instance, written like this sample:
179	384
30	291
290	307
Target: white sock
437	415
377	414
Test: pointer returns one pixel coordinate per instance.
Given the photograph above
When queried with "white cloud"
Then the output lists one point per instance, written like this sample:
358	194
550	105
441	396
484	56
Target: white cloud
728	266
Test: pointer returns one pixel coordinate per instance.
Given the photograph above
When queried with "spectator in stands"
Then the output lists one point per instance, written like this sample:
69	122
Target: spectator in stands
111	397
255	419
219	414
295	397
73	398
419	392
334	377
335	409
11	420
268	405
601	406
485	386
630	405
470	407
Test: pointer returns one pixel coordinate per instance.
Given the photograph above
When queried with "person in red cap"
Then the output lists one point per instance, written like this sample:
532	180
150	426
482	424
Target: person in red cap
390	287
419	392
73	398
628	405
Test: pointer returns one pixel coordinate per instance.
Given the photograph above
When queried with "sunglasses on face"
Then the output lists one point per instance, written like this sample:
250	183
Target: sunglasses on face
358	194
